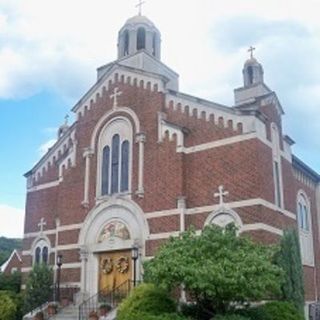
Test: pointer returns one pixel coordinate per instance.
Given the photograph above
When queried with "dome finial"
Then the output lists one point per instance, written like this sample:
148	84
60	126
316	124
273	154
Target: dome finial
251	49
139	5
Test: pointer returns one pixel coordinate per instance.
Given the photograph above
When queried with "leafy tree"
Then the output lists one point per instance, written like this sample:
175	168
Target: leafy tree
10	282
38	287
7	246
289	259
217	268
7	307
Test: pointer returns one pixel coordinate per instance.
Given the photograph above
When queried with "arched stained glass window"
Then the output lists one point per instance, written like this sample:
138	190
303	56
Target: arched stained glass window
37	255
141	39
45	255
105	170
115	164
125	166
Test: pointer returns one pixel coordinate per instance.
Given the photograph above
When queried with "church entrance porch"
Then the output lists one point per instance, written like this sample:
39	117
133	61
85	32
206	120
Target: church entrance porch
115	268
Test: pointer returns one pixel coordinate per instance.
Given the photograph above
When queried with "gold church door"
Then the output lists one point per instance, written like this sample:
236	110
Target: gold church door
114	269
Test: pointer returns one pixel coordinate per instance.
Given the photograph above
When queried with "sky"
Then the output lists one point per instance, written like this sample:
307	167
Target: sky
50	49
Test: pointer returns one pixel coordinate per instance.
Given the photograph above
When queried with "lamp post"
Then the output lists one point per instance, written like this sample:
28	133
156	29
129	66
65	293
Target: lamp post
135	256
59	264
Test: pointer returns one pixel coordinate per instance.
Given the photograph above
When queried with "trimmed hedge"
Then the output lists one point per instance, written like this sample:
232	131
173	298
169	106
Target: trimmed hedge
149	316
279	310
231	317
146	299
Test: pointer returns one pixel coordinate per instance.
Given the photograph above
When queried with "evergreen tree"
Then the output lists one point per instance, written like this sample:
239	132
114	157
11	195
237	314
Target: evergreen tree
38	287
289	259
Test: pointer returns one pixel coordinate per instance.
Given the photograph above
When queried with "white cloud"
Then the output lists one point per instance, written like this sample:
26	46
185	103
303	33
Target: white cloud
11	221
45	146
55	45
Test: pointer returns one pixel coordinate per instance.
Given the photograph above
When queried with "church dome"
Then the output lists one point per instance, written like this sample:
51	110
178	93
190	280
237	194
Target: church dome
139	19
139	34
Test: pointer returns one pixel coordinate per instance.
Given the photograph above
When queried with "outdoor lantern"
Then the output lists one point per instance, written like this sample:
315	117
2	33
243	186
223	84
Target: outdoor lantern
135	256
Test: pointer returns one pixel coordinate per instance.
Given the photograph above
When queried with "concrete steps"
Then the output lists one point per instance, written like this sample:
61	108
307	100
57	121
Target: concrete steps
68	313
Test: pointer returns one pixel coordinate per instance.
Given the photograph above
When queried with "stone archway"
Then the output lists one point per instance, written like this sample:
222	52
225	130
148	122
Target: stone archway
98	245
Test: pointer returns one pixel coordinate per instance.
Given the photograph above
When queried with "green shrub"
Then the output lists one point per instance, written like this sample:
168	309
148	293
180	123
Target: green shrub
231	317
146	298
148	316
273	311
7	307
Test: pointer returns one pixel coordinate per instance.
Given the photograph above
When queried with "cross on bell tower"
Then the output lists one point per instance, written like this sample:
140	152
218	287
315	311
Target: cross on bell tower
220	195
251	49
139	5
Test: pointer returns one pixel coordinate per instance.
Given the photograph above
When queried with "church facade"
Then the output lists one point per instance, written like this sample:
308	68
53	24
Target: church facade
144	161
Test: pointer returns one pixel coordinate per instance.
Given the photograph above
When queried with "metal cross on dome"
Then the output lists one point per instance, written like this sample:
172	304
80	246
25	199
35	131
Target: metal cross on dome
251	49
139	5
221	194
41	224
115	95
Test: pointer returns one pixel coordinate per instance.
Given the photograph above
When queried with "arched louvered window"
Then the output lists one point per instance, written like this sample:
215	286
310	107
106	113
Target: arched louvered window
125	166
37	255
250	74
45	255
141	39
154	43
126	43
115	164
105	170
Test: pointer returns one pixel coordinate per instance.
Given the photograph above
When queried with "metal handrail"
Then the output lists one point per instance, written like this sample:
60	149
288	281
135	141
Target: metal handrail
110	297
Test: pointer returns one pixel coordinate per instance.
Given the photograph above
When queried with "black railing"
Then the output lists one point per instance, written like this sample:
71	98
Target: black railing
110	297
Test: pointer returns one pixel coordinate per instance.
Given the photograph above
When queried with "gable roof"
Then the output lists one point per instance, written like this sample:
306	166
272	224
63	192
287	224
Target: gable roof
15	252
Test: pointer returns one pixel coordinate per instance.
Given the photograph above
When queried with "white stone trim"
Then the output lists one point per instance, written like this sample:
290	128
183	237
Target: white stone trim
163	235
231	205
62	228
73	265
110	78
217	143
243	228
47	185
65	247
261	226
219	111
59	148
69	284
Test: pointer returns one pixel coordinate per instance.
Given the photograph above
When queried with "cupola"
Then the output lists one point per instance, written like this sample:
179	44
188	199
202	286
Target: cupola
139	33
252	71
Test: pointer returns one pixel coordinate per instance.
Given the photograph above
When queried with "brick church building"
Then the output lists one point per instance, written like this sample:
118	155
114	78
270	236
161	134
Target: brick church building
144	161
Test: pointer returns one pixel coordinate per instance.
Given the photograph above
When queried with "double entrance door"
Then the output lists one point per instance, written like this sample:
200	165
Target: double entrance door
115	268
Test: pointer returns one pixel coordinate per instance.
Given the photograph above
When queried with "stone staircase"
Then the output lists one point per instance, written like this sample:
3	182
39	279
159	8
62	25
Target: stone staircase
68	313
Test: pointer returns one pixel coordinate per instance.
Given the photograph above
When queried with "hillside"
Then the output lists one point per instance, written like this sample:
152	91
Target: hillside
6	247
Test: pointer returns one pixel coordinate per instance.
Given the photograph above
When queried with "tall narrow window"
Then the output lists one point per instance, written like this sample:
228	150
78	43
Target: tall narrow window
105	170
141	39
45	255
37	255
154	44
126	43
115	164
125	166
250	74
277	180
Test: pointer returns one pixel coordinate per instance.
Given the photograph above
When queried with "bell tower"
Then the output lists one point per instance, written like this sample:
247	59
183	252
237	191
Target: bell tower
252	71
139	34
